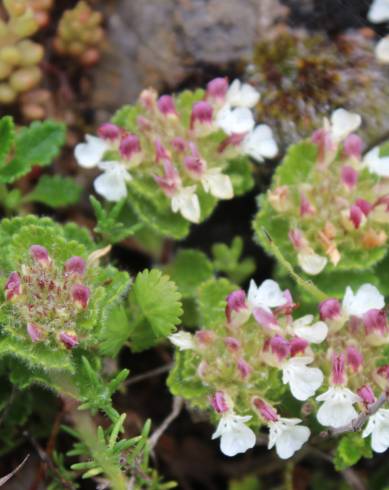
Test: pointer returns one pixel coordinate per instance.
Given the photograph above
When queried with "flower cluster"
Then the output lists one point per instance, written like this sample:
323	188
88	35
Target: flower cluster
341	207
80	34
245	365
184	147
48	299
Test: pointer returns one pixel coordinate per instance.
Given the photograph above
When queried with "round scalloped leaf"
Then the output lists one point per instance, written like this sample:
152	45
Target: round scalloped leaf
297	164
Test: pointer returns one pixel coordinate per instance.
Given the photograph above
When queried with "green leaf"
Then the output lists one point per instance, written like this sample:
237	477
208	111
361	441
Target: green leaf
155	308
297	164
7	131
188	270
351	448
126	118
115	331
55	191
241	174
212	302
184	103
37	144
227	260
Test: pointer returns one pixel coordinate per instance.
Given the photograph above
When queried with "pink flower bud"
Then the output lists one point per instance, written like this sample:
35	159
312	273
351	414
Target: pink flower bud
330	309
202	113
349	176
384	371
40	254
353	146
34	331
266	411
297	346
69	339
306	207
288	307
148	98
322	138
244	368
364	206
383	201
219	403
195	166
161	153
75	265
234	139
143	123
13	286
279	346
356	216
354	358
171	181
109	131
232	344
265	318
375	321
338	374
217	89
81	295
166	105
296	238
367	394
129	146
179	144
205	337
237	311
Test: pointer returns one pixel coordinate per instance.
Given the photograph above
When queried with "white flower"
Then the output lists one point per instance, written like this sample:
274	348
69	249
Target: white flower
267	295
303	380
337	409
217	184
187	203
378	427
235	436
343	123
366	298
311	263
112	183
182	340
379	11
91	153
314	333
287	436
377	164
235	121
260	144
242	95
382	50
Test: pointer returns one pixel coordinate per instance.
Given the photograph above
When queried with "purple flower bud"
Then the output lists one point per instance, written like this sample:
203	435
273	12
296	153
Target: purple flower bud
195	166
375	321
353	146
322	138
349	176
267	412
306	207
297	346
161	153
296	238
129	146
338	371
205	337
75	265
364	206
367	394
13	286
279	346
81	295
330	309
384	371
202	113
34	331
244	368
219	403
40	254
354	358
236	305
143	123
69	339
356	216
232	344
234	139
217	89
179	144
166	105
109	131
171	181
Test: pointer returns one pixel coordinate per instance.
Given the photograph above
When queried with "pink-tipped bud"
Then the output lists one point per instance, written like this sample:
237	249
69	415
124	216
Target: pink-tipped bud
364	206
161	153
148	98
306	207
330	309
237	311
195	166
267	412
34	331
13	286
232	344
349	176
202	113
143	123
81	295
289	306
279	346
338	371
40	254
354	358
234	139
353	146
69	339
171	181
179	144
217	89
205	337
383	201
244	368
322	138
375	321
265	318
129	146
166	105
297	346
367	395
109	131
219	403
356	216
75	265
384	371
296	238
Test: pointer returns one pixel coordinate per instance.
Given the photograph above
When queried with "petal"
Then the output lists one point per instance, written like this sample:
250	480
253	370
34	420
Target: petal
314	334
188	204
242	95
259	144
238	440
312	264
366	298
336	414
219	185
236	121
291	440
89	154
111	185
269	294
382	50
376	164
343	123
379	11
303	381
182	340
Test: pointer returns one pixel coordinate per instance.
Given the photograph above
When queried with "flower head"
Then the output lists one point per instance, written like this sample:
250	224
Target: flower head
378	428
313	332
287	436
235	436
366	298
337	408
242	95
303	380
260	143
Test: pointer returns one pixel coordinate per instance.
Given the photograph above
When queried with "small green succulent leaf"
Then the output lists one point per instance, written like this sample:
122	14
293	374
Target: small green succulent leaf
55	191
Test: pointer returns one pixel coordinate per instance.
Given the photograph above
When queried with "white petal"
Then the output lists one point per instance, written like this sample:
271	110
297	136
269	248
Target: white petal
382	50
89	154
235	121
260	144
379	11
377	164
337	409
218	184
242	95
291	440
366	298
315	334
187	203
311	263
378	428
112	183
182	340
303	380
343	123
268	294
237	441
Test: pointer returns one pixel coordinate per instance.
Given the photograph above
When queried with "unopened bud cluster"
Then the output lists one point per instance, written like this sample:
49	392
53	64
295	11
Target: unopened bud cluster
80	34
244	364
47	299
19	56
341	208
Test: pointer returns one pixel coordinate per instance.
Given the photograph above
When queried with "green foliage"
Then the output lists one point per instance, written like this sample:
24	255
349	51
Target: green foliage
351	448
297	164
212	301
7	133
126	118
240	171
247	483
226	259
55	191
155	309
